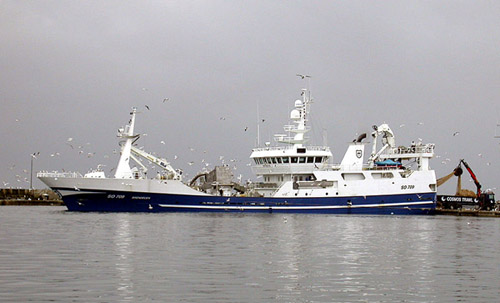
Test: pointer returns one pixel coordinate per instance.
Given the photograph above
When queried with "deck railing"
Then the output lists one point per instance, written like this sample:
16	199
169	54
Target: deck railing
59	174
278	148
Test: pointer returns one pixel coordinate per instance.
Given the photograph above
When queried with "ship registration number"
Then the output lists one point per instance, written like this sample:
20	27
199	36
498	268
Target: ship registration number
116	196
409	186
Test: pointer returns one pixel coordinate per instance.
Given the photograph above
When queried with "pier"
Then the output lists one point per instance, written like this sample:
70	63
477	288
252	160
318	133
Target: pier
467	212
29	197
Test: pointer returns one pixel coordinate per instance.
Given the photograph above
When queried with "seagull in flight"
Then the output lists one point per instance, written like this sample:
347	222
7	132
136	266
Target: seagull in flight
456	134
147	107
165	100
303	76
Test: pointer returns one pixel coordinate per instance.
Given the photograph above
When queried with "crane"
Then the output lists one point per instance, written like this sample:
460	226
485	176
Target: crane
485	200
160	162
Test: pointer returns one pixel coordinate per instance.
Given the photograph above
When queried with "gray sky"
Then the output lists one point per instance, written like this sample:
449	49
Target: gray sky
74	69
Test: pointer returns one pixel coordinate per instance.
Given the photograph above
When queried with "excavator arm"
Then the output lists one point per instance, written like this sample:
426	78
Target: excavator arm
473	176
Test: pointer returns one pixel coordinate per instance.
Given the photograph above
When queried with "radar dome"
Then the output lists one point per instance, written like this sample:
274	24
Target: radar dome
295	115
298	103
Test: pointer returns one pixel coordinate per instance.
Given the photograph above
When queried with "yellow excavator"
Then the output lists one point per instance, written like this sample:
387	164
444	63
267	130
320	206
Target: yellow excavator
480	200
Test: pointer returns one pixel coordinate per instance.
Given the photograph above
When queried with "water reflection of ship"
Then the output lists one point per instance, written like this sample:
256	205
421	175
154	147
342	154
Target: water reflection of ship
123	264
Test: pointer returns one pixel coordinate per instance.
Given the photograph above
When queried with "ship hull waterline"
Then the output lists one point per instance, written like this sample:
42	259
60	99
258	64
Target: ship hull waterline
119	201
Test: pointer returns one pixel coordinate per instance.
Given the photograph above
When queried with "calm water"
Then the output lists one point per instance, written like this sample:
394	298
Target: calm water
48	254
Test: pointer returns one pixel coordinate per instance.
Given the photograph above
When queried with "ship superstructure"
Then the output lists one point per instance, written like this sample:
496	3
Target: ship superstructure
294	161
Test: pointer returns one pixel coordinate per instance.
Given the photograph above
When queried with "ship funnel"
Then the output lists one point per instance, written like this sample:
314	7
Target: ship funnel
361	137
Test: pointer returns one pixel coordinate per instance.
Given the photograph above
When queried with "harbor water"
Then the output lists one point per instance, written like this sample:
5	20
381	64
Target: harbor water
48	254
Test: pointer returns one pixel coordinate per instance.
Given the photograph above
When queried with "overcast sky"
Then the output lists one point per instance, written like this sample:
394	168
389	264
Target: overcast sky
74	69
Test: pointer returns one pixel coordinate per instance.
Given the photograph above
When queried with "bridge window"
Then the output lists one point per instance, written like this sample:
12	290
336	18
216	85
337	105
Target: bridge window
286	160
278	159
310	159
302	159
294	159
318	160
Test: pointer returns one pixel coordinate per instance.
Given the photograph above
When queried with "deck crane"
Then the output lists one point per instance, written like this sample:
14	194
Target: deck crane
162	163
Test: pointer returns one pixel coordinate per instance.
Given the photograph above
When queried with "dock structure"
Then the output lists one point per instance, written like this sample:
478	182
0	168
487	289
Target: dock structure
467	212
29	197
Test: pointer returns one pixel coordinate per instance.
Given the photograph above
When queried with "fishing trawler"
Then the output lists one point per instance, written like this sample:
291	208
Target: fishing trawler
296	178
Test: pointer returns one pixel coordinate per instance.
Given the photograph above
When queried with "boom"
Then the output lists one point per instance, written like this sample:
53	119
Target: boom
473	176
162	163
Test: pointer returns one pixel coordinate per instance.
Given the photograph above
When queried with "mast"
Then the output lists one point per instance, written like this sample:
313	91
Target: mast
123	170
299	117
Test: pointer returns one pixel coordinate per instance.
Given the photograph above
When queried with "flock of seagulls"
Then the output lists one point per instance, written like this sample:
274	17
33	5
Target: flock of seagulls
89	154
